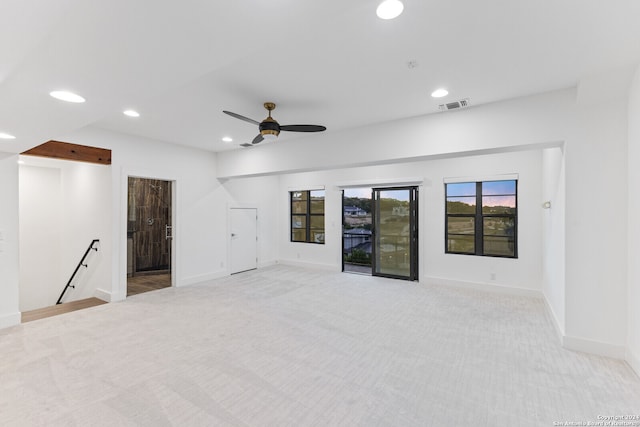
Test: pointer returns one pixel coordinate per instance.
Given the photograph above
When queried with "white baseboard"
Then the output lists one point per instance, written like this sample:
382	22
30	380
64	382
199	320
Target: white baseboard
103	295
633	361
306	264
554	319
8	320
594	347
202	278
483	286
264	264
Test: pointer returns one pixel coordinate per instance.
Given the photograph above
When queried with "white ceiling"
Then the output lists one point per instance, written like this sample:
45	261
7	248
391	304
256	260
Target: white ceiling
329	62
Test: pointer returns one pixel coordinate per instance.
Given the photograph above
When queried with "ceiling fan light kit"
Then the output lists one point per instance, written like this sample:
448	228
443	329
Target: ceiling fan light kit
270	129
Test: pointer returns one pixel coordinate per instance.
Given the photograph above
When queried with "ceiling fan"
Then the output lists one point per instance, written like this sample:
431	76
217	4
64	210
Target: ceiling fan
270	129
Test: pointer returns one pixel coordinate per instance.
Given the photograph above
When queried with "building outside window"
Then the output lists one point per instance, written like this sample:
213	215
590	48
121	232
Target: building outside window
482	218
307	216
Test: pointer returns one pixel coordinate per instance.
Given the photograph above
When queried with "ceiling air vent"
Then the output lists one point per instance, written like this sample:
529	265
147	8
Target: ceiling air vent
454	105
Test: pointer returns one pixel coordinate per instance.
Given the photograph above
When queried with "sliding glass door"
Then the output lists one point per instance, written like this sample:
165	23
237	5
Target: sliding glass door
395	232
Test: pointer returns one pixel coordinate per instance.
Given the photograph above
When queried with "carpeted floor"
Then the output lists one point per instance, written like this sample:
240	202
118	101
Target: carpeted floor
286	346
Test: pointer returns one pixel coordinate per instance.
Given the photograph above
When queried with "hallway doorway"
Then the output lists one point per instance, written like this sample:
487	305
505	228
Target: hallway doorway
149	235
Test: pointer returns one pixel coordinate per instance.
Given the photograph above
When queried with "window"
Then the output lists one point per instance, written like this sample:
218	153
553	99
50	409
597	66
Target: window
307	216
482	218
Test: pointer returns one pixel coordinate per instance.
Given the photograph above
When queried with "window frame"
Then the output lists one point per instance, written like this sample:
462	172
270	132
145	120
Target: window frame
308	214
479	218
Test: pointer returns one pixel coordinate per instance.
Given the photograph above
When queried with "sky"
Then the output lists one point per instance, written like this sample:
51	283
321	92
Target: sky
365	193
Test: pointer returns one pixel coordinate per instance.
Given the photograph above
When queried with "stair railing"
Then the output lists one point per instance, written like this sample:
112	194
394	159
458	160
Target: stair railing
80	264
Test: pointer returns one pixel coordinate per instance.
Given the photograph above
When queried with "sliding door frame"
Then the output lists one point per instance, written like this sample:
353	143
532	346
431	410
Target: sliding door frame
413	232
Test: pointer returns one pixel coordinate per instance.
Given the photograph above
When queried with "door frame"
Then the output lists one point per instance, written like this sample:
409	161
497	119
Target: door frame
237	205
414	242
119	280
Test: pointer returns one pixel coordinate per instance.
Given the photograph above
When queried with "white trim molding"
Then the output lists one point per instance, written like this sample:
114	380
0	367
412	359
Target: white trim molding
554	319
483	286
633	361
594	347
187	281
306	188
9	320
295	263
104	295
481	178
381	182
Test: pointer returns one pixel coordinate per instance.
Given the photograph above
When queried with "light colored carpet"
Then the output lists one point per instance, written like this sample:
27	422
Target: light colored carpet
286	346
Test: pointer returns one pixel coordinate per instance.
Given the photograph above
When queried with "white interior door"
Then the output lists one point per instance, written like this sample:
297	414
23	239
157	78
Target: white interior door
244	236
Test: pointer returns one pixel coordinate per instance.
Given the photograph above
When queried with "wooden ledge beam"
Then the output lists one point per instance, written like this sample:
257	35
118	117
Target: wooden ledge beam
68	151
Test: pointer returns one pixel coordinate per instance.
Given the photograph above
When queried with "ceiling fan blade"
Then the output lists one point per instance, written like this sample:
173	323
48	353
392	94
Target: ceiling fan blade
238	116
303	128
257	139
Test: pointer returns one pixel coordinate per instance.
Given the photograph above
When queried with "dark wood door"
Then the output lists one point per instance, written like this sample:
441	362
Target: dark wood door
149	215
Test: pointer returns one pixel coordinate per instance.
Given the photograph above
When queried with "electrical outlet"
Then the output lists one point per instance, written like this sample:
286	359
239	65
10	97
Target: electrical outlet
493	276
1	234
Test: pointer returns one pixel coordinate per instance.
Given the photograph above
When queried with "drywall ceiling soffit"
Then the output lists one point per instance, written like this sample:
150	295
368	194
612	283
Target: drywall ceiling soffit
333	63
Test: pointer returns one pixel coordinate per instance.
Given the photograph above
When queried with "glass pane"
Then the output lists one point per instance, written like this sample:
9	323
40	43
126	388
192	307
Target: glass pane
456	225
496	226
317	201
317	206
299	235
299	221
298	195
393	248
298	207
461	189
465	205
490	188
498	245
316	222
317	236
356	235
461	244
499	204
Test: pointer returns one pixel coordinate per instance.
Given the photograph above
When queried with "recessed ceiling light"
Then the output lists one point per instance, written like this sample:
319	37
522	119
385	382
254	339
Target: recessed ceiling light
6	136
227	139
389	9
439	93
64	95
131	113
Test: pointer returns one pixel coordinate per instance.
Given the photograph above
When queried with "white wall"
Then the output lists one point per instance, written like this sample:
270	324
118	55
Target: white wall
64	205
633	225
263	194
596	212
200	201
40	233
553	252
9	245
523	274
524	122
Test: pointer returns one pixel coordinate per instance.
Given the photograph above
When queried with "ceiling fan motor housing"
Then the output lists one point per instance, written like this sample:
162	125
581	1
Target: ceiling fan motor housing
269	127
